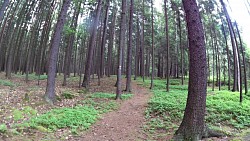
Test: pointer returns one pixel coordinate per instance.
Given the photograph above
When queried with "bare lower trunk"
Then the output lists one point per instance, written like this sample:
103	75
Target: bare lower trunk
193	123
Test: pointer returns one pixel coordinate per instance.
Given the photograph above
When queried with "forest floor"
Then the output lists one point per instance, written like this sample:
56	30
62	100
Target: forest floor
122	120
123	123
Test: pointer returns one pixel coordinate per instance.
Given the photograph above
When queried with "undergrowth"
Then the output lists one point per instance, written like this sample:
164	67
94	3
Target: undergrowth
74	118
110	95
77	118
32	76
165	109
7	83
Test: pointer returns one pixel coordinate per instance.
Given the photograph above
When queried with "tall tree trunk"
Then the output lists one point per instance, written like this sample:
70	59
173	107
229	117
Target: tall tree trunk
213	47
50	89
235	85
228	56
181	47
142	64
70	46
111	42
239	63
167	46
243	58
193	123
153	56
208	59
137	58
121	46
130	44
104	39
89	61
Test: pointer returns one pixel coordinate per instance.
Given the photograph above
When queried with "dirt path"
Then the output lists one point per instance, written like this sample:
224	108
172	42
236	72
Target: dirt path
124	124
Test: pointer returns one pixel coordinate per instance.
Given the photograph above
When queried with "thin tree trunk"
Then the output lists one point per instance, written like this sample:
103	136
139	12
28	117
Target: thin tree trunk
142	45
167	46
121	46
111	42
137	49
104	39
239	67
235	86
153	56
243	58
181	47
50	89
89	61
228	57
129	54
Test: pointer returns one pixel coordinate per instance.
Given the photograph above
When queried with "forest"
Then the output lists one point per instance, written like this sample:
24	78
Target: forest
119	70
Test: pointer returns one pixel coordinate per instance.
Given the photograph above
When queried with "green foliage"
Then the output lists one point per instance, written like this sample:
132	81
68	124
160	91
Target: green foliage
25	112
110	95
6	83
101	106
32	76
17	114
68	95
3	128
224	108
67	30
29	111
77	117
165	109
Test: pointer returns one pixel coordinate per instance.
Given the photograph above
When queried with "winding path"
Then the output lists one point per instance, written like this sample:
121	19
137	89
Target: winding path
124	124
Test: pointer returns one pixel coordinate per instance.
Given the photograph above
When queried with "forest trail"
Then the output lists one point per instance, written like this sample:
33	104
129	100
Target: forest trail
124	124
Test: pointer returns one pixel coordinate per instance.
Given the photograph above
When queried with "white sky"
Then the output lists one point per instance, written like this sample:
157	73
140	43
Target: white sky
239	13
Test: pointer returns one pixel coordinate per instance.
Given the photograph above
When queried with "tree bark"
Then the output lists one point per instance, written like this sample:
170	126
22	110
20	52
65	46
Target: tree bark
104	34
129	54
167	46
111	42
142	64
193	123
121	46
71	39
153	56
244	59
235	75
228	56
50	89
86	78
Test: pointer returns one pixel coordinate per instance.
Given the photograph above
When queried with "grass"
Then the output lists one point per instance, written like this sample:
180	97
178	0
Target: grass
110	96
77	118
3	128
7	83
31	76
25	112
165	110
224	108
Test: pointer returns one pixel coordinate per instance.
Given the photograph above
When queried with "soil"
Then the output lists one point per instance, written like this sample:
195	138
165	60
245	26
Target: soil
126	124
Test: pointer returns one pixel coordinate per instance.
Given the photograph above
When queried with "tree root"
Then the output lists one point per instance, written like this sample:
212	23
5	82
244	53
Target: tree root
208	133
